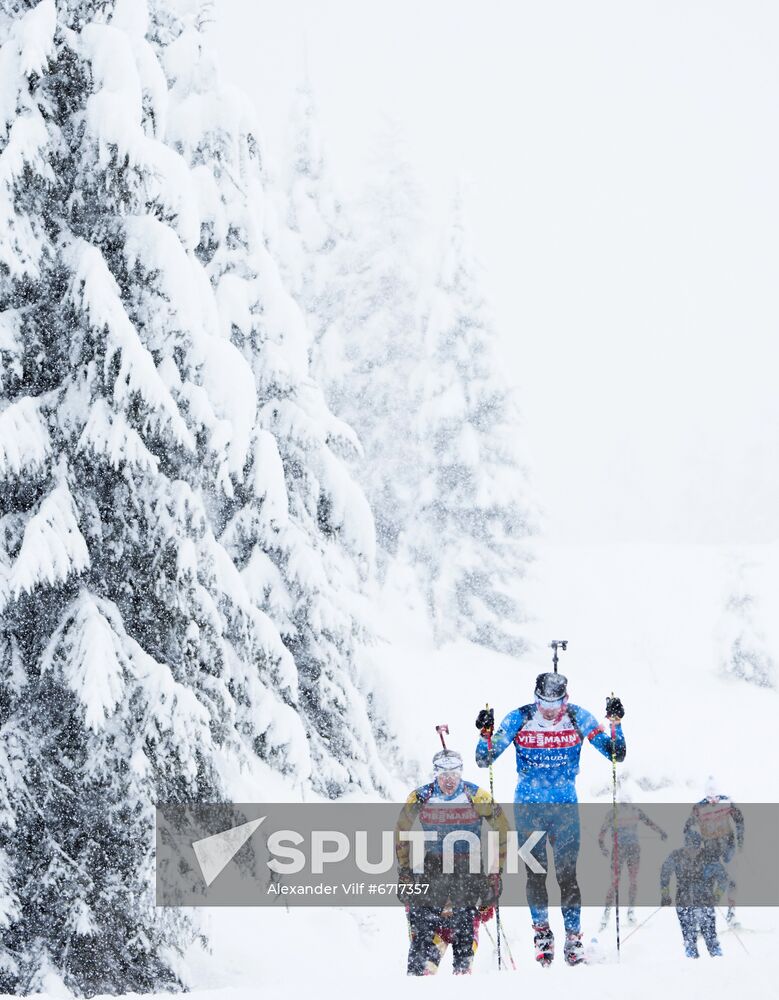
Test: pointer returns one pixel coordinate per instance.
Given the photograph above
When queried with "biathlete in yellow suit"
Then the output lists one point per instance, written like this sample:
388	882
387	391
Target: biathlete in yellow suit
443	908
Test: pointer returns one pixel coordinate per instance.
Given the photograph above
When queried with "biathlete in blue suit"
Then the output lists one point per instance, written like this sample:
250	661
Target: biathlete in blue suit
548	737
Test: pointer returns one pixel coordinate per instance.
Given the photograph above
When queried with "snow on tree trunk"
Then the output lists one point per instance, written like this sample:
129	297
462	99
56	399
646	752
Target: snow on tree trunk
469	539
744	651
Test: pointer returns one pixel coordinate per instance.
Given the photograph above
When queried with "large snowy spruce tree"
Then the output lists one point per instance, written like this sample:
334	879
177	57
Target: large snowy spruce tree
134	658
298	527
469	540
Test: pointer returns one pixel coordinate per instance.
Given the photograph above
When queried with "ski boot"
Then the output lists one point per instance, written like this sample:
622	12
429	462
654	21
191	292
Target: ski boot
731	919
605	919
574	949
631	917
544	944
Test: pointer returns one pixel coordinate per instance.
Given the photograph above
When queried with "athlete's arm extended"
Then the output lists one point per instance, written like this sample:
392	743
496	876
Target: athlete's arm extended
502	737
610	746
651	823
738	819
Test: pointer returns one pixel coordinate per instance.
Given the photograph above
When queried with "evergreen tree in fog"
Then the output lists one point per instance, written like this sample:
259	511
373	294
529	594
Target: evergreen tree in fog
382	345
469	539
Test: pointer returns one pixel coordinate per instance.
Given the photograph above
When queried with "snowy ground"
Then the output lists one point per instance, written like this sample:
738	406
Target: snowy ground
641	620
359	951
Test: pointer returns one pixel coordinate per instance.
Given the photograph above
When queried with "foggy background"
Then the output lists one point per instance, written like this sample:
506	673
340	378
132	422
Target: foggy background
621	165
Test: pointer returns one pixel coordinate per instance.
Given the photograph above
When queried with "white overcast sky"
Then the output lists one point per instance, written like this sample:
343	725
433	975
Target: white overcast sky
623	169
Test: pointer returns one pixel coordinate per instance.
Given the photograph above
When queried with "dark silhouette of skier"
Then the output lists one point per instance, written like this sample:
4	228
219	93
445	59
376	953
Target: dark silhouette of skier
721	825
628	850
698	886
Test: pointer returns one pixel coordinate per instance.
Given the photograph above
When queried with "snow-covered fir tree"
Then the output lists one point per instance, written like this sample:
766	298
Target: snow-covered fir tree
744	651
381	342
298	528
315	245
469	538
359	285
135	656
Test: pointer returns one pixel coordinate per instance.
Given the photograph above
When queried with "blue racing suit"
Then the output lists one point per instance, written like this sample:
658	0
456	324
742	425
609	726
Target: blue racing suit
545	796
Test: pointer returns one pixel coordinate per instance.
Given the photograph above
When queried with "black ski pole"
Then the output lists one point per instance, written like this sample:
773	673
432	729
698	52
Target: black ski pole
615	848
508	948
492	797
642	924
488	932
732	931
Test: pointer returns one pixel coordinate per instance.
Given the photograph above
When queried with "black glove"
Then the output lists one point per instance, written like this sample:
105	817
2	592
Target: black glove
666	900
614	709
485	721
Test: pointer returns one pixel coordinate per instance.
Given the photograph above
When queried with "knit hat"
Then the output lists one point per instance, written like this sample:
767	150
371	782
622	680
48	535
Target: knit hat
447	760
551	687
